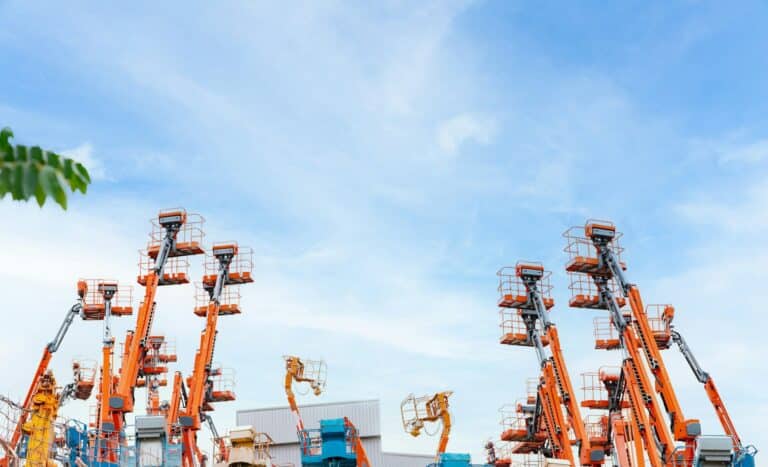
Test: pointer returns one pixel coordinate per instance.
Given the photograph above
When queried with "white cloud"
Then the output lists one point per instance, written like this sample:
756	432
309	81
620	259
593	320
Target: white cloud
455	132
84	155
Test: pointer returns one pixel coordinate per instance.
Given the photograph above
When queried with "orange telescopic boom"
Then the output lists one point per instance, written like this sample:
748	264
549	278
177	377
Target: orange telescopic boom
525	291
230	270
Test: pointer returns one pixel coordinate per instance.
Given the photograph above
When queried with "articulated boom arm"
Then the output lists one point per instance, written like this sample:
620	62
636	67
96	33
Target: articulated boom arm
416	411
311	372
712	392
45	359
682	429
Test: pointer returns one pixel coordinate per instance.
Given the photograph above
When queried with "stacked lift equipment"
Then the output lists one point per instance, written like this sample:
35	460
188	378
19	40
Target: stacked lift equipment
525	304
417	411
175	235
598	281
43	386
228	266
337	442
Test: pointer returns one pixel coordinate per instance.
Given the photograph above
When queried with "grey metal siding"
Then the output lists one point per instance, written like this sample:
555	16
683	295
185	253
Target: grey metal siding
279	422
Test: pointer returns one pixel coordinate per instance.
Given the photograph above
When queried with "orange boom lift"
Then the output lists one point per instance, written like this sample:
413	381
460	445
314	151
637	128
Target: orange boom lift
525	289
596	254
175	235
312	372
42	369
415	411
229	265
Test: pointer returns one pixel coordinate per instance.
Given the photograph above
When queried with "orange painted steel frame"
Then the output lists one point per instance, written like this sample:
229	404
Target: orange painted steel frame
601	236
197	383
203	360
42	367
555	379
360	454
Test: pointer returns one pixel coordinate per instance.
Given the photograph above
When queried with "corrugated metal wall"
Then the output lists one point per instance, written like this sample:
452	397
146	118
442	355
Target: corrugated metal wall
279	422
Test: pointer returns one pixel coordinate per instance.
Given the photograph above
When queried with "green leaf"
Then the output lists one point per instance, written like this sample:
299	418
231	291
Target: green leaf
17	182
30	180
68	170
5	181
21	153
83	172
36	154
54	160
52	186
5	136
40	194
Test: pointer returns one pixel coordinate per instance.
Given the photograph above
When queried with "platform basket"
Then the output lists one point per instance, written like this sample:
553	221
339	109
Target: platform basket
229	301
594	393
222	385
660	321
10	413
84	377
596	427
605	333
189	239
240	269
531	390
94	307
514	425
582	254
584	292
514	294
515	332
175	271
314	372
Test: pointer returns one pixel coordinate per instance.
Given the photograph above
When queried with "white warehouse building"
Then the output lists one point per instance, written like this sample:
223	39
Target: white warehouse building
279	423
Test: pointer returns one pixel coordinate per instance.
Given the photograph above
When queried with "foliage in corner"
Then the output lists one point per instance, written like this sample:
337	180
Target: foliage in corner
31	171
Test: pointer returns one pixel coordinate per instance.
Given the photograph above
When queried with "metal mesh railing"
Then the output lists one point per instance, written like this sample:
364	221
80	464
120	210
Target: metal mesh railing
512	290
606	335
175	270
229	301
190	235
240	268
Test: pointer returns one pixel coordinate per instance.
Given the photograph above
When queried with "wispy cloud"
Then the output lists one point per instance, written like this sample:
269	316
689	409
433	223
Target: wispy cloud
462	129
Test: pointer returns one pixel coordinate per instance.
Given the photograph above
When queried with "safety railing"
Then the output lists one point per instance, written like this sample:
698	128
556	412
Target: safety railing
222	384
84	377
582	254
596	427
189	239
229	301
512	290
314	372
594	392
605	333
660	321
531	389
94	307
584	292
240	268
514	423
175	270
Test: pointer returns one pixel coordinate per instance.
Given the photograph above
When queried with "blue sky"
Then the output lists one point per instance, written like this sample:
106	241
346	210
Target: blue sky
384	161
